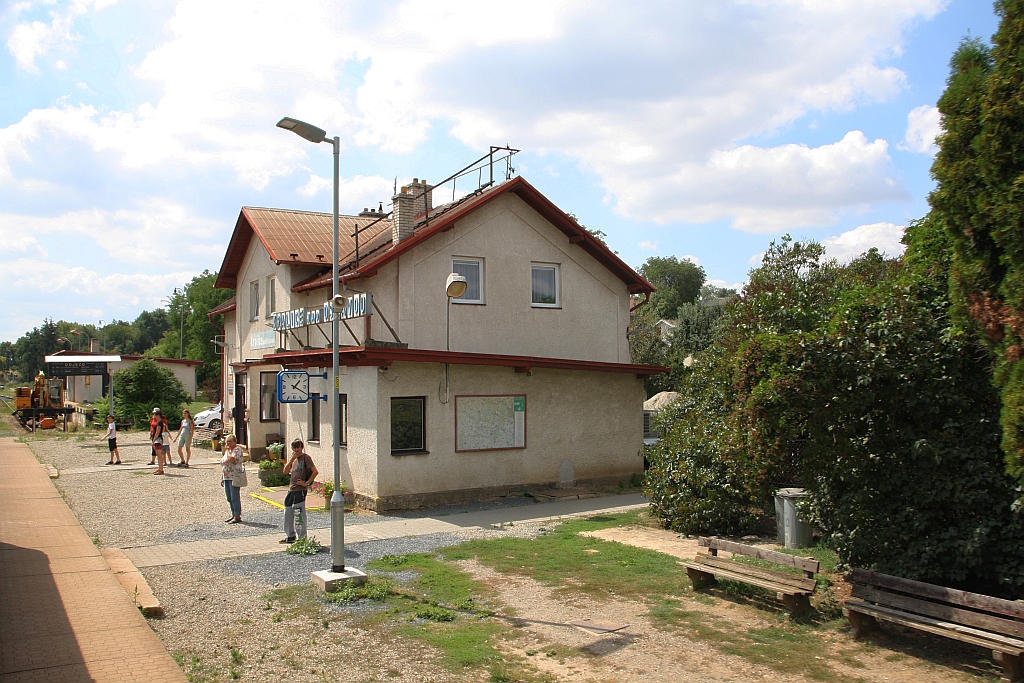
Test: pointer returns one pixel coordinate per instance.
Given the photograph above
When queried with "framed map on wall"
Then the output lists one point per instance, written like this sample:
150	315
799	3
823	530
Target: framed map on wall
490	422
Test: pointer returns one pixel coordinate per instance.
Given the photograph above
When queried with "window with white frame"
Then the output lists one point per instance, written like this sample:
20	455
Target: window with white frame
271	304
544	285
254	301
270	409
314	417
473	270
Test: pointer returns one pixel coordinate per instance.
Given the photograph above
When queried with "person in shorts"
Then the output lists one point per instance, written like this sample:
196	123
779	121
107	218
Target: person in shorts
158	434
303	472
185	439
111	437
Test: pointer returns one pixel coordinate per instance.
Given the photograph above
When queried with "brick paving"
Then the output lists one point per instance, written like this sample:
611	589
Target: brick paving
63	614
194	551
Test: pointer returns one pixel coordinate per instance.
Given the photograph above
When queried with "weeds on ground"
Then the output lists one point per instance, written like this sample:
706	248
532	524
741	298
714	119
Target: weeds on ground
304	546
196	671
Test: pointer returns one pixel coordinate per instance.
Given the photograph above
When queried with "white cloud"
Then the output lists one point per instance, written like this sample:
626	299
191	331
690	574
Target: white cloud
171	234
360	191
924	124
654	98
649	246
29	40
115	290
883	236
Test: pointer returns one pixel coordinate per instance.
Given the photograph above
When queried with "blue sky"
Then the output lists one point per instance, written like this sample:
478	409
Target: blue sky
132	133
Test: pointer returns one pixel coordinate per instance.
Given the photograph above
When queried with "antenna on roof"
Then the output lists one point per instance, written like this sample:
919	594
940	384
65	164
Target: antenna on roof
396	185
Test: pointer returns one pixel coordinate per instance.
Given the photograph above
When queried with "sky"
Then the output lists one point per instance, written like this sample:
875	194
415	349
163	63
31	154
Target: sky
131	133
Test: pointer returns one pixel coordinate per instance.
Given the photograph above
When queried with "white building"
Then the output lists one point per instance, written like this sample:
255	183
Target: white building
540	389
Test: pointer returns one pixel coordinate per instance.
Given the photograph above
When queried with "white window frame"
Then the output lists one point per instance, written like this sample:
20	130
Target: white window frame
270	297
480	264
254	300
558	284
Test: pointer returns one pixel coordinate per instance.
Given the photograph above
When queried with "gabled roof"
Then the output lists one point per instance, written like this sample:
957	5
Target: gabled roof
444	218
296	237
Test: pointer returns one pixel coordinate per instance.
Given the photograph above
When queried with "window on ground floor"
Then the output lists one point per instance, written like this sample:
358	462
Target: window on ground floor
408	424
314	417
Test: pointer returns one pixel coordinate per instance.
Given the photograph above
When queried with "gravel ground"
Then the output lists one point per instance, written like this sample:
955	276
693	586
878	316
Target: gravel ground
128	508
210	612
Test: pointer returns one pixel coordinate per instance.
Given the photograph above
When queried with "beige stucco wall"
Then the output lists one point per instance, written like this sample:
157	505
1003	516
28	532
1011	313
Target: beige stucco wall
359	456
590	419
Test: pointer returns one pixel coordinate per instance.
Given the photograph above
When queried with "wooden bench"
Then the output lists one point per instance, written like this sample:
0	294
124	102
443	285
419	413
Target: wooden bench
794	591
989	622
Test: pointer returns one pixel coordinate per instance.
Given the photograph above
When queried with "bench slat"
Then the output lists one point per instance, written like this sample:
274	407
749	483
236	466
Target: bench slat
768	574
803	563
987	603
778	588
940	611
966	634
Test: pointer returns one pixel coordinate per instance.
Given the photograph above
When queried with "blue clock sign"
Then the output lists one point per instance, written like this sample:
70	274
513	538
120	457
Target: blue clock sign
293	386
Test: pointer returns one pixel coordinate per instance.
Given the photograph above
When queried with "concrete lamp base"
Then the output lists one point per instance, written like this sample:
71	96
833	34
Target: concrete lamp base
329	581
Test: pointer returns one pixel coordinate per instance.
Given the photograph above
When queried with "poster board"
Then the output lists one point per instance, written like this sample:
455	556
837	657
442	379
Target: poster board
490	422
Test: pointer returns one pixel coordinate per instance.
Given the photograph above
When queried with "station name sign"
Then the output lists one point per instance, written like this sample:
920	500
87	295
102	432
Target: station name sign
357	305
74	369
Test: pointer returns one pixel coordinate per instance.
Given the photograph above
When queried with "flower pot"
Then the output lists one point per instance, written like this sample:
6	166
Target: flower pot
264	473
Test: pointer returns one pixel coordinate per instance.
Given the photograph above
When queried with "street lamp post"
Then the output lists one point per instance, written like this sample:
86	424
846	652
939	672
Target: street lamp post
317	135
455	286
181	327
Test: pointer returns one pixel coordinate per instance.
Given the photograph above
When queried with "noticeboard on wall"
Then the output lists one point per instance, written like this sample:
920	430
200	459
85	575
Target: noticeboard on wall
490	422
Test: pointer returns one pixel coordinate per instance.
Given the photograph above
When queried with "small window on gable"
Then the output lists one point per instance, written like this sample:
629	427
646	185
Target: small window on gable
544	286
254	301
271	304
473	270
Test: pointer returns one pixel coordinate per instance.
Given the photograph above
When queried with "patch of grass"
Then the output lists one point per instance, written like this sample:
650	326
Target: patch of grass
305	546
463	644
195	670
564	558
436	582
236	656
96	540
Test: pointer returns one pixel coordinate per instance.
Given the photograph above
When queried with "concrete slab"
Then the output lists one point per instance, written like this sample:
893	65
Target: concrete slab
331	582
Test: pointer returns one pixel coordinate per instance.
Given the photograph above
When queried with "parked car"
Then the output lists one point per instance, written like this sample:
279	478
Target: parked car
209	418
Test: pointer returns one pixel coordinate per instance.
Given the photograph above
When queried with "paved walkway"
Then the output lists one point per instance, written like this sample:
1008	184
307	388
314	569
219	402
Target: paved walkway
63	614
178	553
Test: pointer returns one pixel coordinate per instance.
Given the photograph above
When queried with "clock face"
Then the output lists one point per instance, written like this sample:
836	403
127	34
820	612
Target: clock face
294	387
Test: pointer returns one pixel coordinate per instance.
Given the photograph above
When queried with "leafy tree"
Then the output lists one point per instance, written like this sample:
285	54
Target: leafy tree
979	170
143	386
678	282
196	299
149	328
31	349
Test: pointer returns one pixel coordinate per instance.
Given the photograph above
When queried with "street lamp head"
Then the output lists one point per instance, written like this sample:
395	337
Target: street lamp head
456	285
303	129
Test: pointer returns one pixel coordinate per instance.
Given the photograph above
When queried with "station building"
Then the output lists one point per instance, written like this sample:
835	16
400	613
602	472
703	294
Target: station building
537	388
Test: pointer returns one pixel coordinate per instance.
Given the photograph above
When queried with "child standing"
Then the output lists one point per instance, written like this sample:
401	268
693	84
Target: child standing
111	437
185	439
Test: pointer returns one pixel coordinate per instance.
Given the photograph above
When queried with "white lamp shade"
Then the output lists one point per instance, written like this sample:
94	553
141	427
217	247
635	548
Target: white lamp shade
456	285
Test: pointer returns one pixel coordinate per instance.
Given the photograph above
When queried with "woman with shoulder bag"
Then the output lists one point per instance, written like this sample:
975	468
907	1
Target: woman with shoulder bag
233	477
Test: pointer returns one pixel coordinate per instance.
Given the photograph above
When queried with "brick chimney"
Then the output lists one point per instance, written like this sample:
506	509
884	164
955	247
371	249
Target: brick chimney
424	203
408	204
401	216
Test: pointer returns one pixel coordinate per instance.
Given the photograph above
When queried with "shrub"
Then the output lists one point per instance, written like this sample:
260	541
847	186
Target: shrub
142	387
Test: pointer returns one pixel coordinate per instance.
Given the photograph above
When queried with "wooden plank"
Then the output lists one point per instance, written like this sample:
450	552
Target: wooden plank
987	603
1007	627
943	628
806	564
795	581
777	588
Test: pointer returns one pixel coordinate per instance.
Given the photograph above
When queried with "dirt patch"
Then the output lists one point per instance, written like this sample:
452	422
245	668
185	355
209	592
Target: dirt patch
652	650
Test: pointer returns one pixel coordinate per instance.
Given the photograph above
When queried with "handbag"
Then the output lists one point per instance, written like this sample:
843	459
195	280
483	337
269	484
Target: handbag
238	477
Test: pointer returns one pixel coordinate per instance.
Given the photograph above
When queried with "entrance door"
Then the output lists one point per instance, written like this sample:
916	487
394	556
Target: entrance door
241	428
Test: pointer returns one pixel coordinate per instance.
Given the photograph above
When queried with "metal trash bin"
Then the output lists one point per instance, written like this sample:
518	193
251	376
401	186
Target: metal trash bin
793	532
